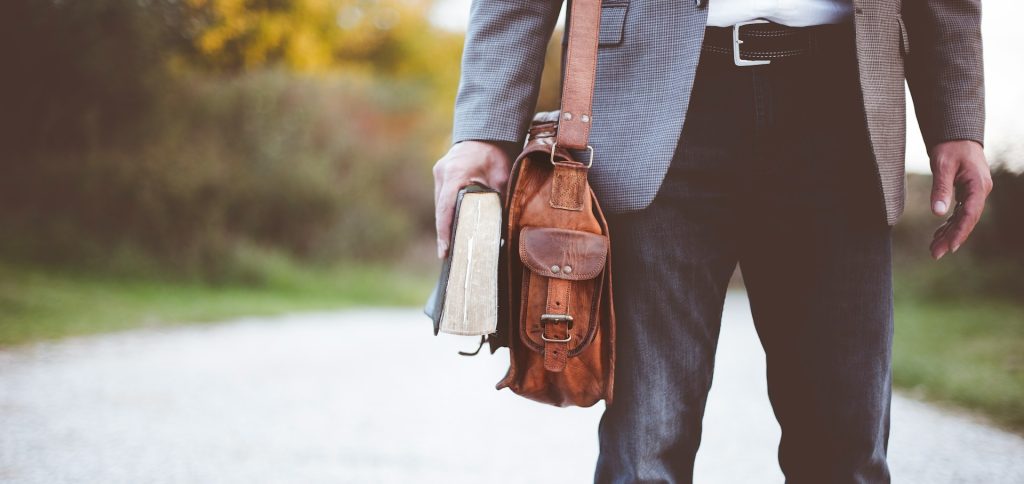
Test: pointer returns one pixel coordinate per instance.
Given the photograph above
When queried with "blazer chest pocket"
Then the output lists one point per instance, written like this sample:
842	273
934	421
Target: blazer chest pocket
613	23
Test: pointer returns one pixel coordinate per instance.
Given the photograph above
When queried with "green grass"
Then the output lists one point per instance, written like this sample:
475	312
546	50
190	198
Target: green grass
38	303
969	354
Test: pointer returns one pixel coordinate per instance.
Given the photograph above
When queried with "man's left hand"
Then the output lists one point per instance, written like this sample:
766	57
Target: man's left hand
958	168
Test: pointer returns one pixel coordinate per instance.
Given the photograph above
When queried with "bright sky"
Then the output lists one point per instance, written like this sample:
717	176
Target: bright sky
1004	68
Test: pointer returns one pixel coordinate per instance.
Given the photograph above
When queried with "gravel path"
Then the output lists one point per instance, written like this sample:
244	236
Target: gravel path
369	396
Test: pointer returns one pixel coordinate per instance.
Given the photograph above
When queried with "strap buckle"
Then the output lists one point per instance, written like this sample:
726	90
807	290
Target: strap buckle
557	318
589	148
736	41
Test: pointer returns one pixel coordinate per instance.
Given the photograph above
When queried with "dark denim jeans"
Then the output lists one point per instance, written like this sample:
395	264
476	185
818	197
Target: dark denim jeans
773	172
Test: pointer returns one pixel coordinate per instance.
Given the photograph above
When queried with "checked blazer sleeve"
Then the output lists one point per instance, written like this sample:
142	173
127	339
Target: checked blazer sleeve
944	68
502	60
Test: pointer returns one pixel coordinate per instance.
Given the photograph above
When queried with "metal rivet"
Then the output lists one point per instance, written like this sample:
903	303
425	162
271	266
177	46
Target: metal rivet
584	118
567	269
555	269
567	115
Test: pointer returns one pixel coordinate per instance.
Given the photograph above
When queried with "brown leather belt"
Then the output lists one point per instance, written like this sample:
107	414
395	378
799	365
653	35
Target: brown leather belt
759	42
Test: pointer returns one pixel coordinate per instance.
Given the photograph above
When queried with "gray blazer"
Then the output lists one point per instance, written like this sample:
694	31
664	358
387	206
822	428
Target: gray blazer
647	58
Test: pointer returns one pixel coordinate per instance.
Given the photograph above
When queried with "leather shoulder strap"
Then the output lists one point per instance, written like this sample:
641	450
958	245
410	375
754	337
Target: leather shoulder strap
580	67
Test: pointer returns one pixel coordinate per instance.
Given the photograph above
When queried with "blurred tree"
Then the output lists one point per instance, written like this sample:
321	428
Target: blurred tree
185	129
188	128
369	38
307	35
77	73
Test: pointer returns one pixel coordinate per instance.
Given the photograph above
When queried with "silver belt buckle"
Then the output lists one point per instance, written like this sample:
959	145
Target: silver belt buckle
736	45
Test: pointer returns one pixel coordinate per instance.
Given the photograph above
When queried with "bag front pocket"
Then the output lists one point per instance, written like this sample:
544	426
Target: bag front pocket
561	286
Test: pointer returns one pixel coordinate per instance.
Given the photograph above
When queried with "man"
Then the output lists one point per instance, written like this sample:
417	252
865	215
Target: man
782	153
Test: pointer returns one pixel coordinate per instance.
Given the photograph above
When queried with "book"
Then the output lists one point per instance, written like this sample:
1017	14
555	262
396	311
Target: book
465	299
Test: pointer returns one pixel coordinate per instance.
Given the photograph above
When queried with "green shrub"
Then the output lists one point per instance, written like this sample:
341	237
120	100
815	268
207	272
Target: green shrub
115	140
323	168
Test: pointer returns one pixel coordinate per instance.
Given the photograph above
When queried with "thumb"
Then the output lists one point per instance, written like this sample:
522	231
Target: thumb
444	212
942	189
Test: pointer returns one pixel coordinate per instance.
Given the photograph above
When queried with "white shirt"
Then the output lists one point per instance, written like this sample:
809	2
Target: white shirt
795	13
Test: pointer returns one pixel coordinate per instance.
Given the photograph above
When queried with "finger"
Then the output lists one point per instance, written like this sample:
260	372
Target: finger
960	227
498	179
444	210
940	238
947	244
942	186
478	179
968	216
940	244
438	179
941	231
946	224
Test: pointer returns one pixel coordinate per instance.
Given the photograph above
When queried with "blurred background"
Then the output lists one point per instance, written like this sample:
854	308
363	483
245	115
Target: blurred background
178	161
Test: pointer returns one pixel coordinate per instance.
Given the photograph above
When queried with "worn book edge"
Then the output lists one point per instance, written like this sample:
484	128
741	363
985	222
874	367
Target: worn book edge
474	247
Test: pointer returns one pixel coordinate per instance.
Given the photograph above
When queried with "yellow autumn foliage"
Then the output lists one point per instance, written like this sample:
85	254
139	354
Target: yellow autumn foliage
315	35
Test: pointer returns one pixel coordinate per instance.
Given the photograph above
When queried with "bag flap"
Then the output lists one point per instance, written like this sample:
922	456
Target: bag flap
561	253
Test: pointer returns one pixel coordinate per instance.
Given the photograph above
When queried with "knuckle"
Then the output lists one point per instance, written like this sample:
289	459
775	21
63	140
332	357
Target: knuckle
972	211
942	194
987	184
941	180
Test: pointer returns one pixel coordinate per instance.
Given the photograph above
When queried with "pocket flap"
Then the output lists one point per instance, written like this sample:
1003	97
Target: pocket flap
561	253
613	22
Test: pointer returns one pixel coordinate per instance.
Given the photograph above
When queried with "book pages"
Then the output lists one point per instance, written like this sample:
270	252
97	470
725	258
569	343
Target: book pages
471	299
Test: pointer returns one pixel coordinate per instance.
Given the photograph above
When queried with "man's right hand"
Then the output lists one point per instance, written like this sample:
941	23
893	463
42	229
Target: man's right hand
466	162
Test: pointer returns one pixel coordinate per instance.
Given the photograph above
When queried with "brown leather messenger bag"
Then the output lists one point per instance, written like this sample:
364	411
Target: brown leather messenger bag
556	313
